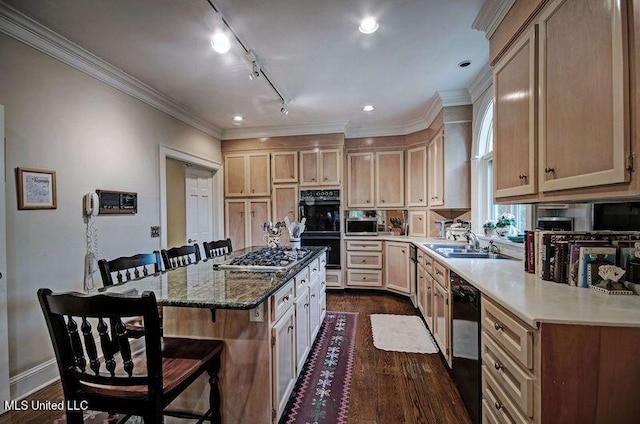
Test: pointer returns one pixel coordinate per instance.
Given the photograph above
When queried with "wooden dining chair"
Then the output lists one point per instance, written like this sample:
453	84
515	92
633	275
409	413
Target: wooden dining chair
128	268
213	249
127	380
180	256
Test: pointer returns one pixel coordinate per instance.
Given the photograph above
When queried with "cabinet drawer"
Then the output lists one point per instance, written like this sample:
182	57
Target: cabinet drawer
362	277
357	259
502	407
513	337
421	256
364	245
513	380
428	265
440	273
301	281
334	279
282	300
489	413
314	270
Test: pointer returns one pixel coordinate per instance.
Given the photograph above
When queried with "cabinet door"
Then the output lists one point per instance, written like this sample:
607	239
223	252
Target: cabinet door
259	175
235	175
284	167
514	120
417	178
436	170
236	228
314	308
418	223
389	179
360	180
303	335
283	359
259	213
330	167
285	202
397	266
583	109
440	319
309	168
428	299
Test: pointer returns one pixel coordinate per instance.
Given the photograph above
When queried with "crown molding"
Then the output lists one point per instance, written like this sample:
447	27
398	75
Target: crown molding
483	81
459	97
434	106
31	33
311	129
491	14
376	131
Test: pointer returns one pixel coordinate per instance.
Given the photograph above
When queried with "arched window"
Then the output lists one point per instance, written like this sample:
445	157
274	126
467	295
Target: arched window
487	209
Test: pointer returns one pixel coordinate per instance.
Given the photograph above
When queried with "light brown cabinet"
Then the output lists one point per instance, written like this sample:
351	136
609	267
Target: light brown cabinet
247	174
284	167
389	179
364	263
396	267
360	180
320	167
514	85
441	320
418	223
285	202
436	170
417	177
244	219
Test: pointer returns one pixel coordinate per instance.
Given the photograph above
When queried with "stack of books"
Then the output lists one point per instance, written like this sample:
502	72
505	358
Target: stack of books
573	258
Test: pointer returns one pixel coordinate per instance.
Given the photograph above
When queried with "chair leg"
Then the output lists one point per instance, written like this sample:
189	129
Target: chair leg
74	417
214	392
154	416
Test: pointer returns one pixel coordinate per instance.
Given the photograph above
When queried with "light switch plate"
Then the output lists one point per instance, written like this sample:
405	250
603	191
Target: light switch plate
257	314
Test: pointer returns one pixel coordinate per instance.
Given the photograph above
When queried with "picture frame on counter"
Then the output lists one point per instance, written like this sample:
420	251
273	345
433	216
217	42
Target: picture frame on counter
36	188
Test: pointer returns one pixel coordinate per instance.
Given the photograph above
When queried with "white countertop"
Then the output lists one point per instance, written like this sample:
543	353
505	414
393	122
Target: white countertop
531	299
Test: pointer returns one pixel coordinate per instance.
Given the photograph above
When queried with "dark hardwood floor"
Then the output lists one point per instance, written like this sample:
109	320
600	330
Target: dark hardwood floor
388	387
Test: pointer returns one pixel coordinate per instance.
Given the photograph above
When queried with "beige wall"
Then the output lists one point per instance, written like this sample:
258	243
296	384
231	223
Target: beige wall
176	204
94	137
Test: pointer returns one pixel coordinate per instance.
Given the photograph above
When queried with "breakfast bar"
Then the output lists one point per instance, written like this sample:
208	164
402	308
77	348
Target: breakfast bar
254	313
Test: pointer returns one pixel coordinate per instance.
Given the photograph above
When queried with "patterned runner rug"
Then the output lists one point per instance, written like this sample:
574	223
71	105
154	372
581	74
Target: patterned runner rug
321	394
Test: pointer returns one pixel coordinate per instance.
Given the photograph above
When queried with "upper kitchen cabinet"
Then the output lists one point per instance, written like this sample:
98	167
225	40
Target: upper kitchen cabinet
389	177
417	177
284	167
360	180
244	220
320	167
247	174
514	117
449	162
583	94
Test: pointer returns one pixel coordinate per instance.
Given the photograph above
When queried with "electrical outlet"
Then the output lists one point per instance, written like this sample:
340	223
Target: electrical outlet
155	231
257	314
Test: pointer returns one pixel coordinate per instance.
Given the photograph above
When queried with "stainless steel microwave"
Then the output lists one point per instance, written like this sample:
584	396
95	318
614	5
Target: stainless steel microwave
361	227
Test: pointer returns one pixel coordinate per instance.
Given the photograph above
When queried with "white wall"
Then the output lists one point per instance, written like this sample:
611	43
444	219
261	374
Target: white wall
94	137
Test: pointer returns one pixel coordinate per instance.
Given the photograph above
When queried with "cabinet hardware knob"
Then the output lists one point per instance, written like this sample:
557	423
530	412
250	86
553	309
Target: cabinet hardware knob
364	278
498	406
241	191
306	304
313	295
549	170
286	298
498	326
291	176
363	261
303	281
289	328
419	200
326	179
498	366
382	200
313	179
314	269
522	176
368	201
419	218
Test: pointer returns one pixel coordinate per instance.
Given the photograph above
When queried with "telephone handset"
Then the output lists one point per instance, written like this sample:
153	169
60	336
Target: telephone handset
91	204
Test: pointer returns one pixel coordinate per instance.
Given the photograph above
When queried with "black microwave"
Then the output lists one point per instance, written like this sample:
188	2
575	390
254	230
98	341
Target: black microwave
361	227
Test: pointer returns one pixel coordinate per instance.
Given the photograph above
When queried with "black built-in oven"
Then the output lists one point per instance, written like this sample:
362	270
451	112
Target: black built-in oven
321	208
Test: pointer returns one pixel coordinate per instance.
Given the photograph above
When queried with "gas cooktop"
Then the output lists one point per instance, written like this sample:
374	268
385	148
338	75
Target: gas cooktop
266	259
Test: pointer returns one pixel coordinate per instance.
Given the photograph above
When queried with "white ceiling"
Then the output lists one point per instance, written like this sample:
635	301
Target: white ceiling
311	50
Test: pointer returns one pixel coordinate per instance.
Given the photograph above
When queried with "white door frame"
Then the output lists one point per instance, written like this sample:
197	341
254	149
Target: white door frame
217	198
4	335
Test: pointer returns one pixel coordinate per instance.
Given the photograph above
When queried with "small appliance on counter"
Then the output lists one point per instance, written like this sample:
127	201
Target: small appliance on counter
367	226
560	223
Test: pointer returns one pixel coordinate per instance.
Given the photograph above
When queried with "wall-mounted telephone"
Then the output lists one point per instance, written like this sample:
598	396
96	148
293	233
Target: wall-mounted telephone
91	204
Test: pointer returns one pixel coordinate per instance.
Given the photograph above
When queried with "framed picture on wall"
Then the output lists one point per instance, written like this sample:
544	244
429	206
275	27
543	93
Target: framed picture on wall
36	188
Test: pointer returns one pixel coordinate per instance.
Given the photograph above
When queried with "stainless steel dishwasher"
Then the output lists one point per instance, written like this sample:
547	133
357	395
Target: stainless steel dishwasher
465	367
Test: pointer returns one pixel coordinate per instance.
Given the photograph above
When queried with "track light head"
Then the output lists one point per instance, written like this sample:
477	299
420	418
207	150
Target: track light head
255	71
283	109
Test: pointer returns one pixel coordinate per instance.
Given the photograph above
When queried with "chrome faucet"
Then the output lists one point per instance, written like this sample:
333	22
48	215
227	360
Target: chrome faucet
472	239
492	247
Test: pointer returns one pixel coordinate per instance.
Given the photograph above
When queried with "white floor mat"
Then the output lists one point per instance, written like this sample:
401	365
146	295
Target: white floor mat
401	333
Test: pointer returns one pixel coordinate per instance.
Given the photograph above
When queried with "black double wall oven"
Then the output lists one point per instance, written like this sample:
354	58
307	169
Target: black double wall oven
321	208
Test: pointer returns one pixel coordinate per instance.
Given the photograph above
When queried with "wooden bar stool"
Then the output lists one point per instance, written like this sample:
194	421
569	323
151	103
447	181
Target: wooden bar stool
213	249
180	256
127	380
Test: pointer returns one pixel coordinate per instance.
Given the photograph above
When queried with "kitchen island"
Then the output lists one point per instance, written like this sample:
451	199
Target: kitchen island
267	319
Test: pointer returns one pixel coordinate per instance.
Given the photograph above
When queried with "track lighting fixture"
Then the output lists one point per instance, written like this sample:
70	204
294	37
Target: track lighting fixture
283	109
255	71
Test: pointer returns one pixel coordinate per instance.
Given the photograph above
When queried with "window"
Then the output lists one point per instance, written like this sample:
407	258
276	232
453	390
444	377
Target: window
486	207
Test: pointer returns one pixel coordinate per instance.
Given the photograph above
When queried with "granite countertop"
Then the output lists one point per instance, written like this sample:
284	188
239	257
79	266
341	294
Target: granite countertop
200	285
530	298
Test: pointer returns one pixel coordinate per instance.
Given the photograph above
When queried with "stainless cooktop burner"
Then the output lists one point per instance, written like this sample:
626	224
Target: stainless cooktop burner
266	259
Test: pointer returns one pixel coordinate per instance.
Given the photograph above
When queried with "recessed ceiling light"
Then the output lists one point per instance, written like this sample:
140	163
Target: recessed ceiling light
464	63
220	42
368	25
238	118
368	108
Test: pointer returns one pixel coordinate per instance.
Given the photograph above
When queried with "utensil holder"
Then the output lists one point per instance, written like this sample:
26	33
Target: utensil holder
295	243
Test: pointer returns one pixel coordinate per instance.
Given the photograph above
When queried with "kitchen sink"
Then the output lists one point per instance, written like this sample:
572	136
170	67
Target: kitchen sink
451	247
455	251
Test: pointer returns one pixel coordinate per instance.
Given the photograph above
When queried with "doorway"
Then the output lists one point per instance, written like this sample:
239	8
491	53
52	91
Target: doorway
190	198
4	336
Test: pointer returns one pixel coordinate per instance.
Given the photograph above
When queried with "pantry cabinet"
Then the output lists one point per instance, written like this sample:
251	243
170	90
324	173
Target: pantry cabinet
244	219
320	167
389	179
247	174
514	85
396	267
360	180
284	167
417	177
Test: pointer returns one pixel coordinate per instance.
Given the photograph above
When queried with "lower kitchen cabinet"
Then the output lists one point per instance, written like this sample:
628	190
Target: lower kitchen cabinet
303	323
441	320
364	263
396	266
283	346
